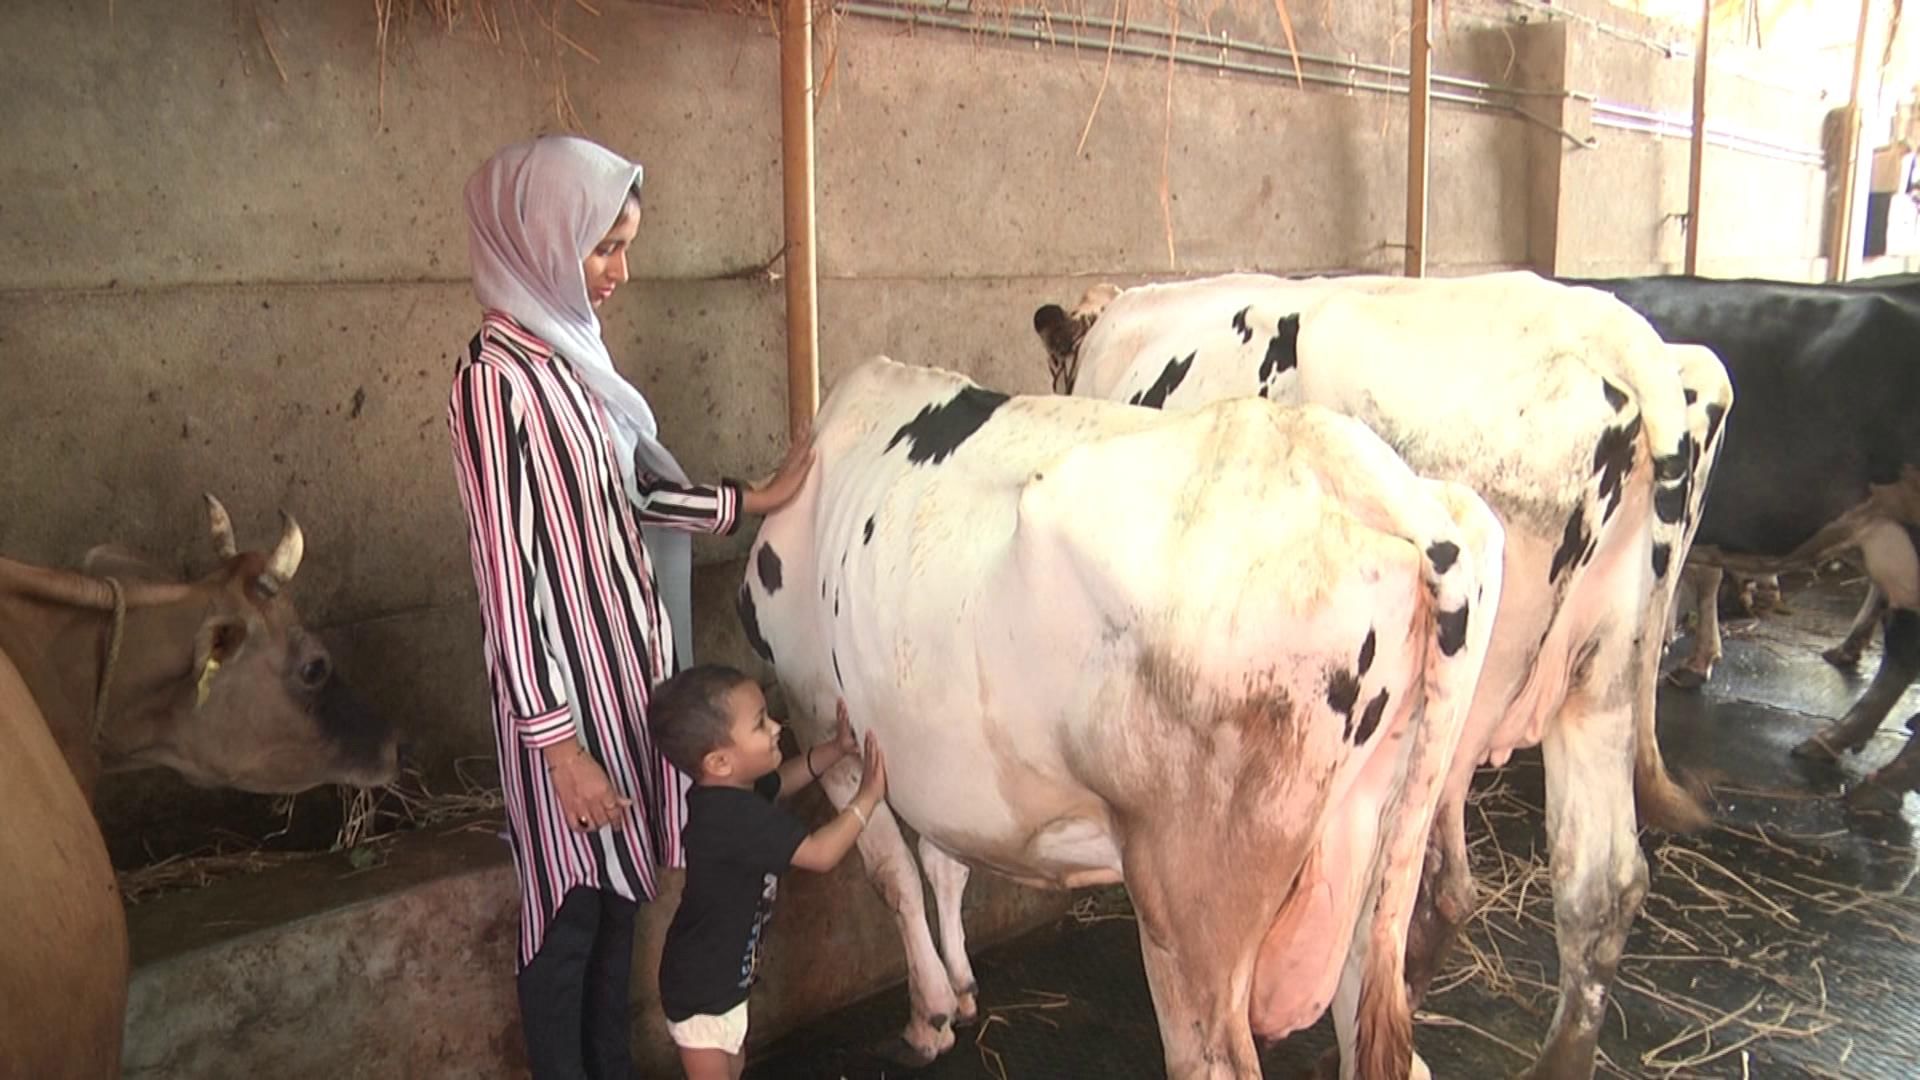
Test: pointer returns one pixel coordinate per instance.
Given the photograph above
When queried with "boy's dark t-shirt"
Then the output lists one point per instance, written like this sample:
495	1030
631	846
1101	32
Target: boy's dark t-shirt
738	843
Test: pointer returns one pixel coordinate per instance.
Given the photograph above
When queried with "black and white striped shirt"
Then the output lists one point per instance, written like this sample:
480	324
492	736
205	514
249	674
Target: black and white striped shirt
576	635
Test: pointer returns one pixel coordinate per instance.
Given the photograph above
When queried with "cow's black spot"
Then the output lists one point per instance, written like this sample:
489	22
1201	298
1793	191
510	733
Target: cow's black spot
1674	465
1155	396
768	564
1453	629
1370	719
1366	654
1572	542
1263	391
1691	396
1612	460
1283	351
835	653
1343	689
1715	413
1662	554
938	430
1670	501
867	537
1442	553
1240	324
750	622
1616	397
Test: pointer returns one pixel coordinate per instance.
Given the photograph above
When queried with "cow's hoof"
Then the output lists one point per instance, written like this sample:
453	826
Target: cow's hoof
966	1008
899	1051
1815	748
1870	796
1841	658
1687	678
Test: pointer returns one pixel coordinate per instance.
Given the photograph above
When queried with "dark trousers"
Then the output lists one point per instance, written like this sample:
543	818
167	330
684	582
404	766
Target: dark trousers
573	996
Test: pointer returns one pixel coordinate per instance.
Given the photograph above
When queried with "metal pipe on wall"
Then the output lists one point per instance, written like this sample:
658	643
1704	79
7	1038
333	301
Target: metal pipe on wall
1627	118
1605	113
797	174
916	15
1697	152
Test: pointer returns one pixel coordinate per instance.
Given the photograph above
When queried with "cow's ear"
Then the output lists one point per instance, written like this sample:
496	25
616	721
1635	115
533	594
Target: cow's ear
220	639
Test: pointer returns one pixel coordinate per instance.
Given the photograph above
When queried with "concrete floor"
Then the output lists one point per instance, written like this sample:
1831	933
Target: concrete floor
1783	942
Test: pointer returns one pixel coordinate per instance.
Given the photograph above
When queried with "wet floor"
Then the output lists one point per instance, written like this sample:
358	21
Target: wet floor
1783	942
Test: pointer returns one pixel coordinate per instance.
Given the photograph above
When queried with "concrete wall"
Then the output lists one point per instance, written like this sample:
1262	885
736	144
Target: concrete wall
1621	205
214	277
403	970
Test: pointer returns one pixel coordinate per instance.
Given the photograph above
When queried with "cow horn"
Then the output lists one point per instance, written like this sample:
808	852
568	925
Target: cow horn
285	560
222	526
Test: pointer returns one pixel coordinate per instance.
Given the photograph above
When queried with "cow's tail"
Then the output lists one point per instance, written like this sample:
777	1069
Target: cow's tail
1680	487
1462	571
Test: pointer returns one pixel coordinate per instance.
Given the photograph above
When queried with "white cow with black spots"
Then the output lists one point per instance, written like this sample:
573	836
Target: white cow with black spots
1083	672
1589	437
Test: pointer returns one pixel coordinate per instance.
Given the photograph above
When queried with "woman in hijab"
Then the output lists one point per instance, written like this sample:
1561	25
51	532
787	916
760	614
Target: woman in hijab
560	466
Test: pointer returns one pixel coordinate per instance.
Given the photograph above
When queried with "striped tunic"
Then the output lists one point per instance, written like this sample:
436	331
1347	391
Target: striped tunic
576	635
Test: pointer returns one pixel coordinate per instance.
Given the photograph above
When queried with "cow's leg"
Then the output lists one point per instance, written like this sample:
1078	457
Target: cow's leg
1899	663
1884	790
1599	875
1200	934
890	867
1447	895
1698	667
1892	553
1859	635
948	876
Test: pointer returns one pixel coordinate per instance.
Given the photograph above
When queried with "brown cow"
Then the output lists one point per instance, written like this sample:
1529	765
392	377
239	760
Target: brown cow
215	679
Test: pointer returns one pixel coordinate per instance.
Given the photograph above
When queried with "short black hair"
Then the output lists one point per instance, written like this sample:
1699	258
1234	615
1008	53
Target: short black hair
688	715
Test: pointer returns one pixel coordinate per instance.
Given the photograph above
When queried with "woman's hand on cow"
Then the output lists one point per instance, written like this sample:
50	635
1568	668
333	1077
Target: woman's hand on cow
785	484
873	776
587	797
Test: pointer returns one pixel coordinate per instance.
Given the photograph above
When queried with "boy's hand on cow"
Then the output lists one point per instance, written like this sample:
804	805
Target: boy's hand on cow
843	737
587	797
780	490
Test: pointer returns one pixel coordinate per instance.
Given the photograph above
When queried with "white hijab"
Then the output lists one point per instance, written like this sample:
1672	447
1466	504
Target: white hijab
536	210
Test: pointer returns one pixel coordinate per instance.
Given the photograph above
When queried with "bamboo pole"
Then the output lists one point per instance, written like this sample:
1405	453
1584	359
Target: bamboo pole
1840	249
1419	108
1697	153
797	172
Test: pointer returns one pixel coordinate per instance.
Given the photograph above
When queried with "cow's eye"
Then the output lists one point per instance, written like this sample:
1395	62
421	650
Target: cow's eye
315	671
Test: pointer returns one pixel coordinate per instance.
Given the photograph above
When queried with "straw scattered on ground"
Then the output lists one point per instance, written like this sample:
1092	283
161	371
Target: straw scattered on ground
1706	920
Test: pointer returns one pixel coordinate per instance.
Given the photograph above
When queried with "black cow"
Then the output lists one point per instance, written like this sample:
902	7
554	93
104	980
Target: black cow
1822	454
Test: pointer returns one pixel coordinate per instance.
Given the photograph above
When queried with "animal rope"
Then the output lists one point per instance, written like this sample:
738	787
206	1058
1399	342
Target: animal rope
115	631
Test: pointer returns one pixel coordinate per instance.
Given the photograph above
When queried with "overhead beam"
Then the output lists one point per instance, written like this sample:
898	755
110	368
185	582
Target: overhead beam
1419	110
797	174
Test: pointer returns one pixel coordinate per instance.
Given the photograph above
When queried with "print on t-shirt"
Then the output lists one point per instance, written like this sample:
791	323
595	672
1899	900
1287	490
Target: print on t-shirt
756	939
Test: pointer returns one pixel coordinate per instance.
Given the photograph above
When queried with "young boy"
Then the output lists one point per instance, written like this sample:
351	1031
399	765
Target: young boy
712	723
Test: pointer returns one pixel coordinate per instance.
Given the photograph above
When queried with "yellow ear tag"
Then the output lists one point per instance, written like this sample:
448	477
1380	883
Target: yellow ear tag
206	680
